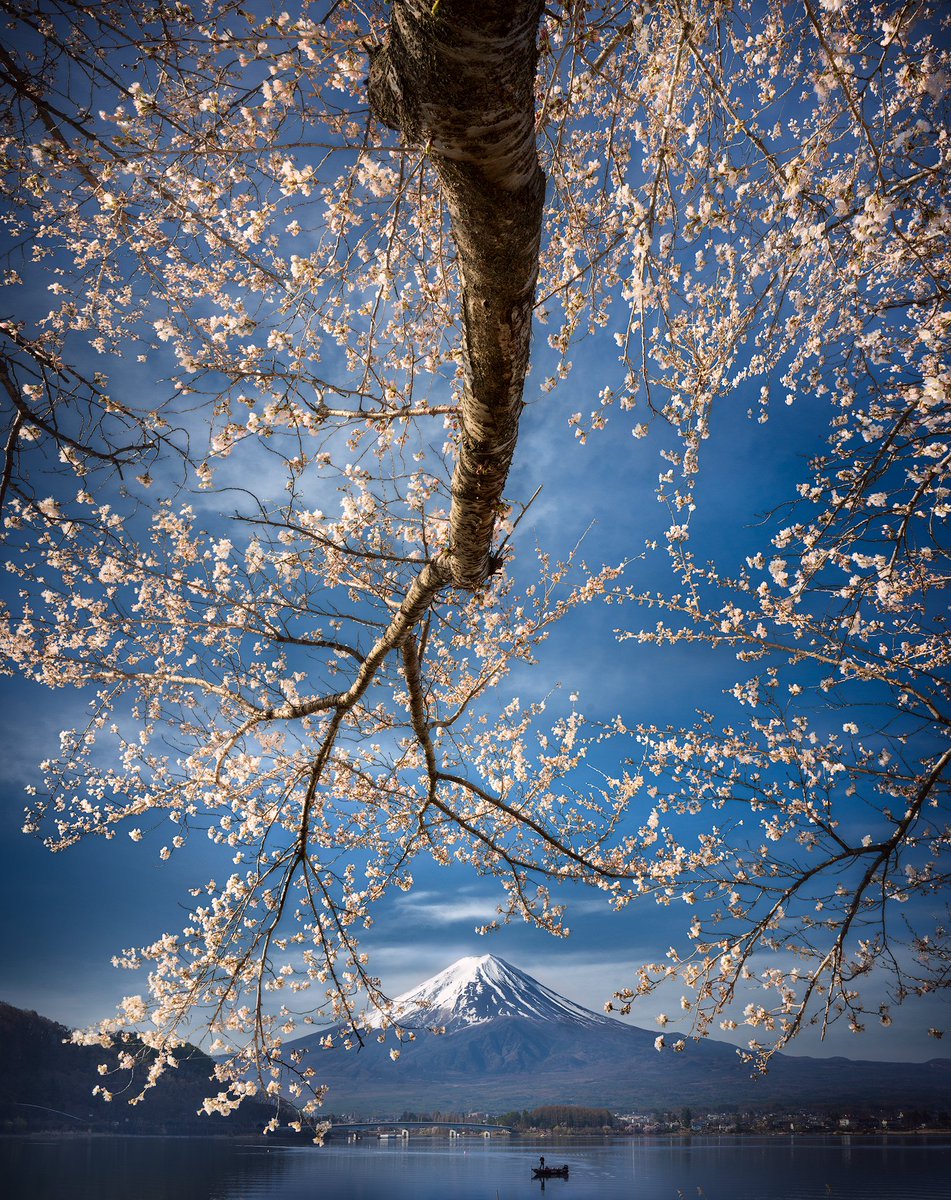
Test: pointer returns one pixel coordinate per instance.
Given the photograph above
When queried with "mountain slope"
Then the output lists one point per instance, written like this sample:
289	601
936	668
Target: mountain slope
510	1042
474	991
46	1082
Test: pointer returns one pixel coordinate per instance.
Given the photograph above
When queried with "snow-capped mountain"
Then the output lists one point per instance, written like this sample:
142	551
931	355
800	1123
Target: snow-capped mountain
476	990
507	1041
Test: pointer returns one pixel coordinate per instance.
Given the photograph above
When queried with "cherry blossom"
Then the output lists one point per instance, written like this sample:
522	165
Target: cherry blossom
255	483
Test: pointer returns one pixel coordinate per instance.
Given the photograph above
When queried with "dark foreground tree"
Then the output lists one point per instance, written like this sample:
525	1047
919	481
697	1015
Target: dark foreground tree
306	660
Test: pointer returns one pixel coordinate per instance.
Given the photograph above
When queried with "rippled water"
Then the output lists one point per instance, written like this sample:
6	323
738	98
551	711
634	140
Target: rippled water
699	1168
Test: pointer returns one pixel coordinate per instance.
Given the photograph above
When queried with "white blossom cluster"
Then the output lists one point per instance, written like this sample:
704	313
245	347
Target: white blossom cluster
743	202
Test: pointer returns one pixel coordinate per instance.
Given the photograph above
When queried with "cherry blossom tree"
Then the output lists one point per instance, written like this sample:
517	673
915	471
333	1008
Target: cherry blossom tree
289	579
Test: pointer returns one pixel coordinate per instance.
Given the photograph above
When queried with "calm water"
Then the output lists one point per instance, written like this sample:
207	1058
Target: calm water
470	1169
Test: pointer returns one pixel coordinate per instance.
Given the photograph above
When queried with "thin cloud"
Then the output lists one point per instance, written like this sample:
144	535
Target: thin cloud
435	909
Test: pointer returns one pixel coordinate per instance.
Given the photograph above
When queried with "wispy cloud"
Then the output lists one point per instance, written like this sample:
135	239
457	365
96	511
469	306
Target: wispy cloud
437	909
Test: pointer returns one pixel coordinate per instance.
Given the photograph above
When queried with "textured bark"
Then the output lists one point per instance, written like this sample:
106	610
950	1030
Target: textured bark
459	82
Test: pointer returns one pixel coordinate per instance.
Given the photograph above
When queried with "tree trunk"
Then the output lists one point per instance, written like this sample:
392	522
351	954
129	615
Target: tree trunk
456	78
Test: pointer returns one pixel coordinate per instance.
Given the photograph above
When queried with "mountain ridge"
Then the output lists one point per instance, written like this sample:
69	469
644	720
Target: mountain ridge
507	1041
477	989
47	1081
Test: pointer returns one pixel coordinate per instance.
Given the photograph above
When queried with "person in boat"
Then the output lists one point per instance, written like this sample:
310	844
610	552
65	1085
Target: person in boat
541	1162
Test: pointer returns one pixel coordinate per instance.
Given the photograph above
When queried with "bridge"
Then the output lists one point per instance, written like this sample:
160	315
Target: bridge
403	1129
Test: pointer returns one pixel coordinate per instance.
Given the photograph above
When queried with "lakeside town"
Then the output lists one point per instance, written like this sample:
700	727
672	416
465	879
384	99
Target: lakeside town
578	1121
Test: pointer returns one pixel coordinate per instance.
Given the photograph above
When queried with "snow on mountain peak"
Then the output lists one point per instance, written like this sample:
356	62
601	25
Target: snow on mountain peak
475	990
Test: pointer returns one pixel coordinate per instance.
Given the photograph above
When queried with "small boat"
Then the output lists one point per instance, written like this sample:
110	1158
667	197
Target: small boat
550	1172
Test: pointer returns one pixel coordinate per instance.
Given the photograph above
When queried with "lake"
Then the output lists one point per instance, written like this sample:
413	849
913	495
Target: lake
709	1168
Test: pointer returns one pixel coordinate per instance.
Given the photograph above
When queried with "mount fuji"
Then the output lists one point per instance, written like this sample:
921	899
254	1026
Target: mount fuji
474	991
488	1037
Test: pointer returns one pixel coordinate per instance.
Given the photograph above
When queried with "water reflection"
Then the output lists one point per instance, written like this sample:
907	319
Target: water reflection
472	1169
146	1168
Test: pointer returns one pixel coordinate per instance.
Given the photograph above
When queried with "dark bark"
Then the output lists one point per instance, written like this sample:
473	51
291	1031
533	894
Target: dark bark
459	83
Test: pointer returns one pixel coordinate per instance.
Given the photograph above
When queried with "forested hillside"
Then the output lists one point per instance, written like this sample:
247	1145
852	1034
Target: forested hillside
47	1082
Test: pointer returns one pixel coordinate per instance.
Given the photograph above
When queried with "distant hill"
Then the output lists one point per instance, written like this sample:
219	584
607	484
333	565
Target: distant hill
510	1042
46	1085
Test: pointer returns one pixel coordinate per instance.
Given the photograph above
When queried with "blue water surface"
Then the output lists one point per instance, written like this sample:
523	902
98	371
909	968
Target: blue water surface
699	1168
